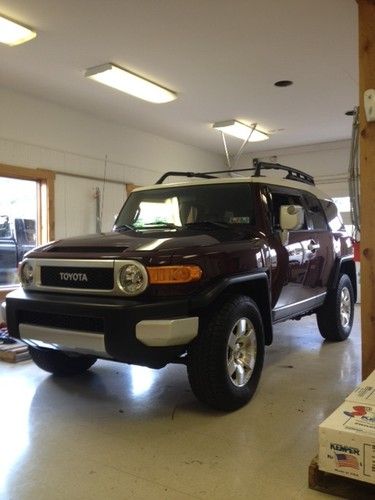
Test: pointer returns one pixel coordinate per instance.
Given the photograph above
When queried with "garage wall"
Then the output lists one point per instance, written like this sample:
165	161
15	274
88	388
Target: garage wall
39	134
75	204
327	162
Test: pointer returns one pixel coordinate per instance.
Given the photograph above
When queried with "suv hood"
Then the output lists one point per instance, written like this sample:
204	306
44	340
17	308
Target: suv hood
126	244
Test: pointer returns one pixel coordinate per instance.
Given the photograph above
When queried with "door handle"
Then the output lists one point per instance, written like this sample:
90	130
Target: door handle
313	246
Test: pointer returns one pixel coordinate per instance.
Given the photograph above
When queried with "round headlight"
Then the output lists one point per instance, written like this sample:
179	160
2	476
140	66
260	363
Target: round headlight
27	274
133	278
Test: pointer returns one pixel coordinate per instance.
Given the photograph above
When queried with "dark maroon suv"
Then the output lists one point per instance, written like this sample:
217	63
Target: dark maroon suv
193	272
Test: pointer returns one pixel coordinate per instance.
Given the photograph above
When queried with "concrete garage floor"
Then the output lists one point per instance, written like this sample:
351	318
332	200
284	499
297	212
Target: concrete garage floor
122	432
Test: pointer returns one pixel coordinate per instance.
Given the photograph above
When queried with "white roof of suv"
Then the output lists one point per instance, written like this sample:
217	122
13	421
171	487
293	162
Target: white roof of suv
275	181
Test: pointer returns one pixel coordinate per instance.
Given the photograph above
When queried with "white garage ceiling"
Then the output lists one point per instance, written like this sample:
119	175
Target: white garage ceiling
221	57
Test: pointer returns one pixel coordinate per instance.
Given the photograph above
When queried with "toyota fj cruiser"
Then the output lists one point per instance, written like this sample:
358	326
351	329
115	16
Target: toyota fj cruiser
193	272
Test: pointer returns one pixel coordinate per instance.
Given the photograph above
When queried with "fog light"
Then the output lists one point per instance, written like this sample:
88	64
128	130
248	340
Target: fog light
133	278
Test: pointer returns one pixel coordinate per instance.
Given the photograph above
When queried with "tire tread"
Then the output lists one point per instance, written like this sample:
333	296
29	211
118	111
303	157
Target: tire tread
207	385
328	315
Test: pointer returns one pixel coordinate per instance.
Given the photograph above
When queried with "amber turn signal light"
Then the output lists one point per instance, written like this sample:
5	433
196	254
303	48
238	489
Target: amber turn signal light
169	275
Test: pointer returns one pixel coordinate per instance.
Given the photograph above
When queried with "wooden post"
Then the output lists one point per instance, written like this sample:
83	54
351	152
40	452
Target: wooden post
366	21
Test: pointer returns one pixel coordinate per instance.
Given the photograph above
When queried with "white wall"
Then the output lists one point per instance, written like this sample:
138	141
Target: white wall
75	205
39	134
327	162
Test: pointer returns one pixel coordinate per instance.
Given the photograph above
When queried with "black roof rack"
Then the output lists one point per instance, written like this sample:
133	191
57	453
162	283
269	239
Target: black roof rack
185	174
293	174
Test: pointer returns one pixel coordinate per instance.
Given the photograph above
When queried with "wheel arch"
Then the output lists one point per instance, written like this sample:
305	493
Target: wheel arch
256	286
258	291
345	266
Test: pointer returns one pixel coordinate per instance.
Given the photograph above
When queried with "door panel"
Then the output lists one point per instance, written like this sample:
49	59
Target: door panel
321	264
301	283
308	255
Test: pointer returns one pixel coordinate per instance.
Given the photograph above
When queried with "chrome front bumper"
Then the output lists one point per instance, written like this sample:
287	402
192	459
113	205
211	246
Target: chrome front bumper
151	333
65	340
167	332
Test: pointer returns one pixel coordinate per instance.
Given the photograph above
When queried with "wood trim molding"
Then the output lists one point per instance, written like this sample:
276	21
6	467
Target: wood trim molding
46	178
130	187
37	174
47	182
366	20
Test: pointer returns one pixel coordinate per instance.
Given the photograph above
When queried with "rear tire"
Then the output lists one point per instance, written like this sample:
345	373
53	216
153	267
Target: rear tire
225	361
59	363
335	317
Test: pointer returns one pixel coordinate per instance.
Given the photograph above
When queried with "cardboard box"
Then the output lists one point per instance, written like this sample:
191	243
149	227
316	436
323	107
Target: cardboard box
364	393
371	379
347	442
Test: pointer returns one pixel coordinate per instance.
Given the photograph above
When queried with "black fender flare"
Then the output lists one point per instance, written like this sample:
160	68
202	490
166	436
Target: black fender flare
345	265
256	285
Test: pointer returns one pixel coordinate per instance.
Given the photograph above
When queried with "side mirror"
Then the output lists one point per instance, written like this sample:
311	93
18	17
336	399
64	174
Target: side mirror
292	218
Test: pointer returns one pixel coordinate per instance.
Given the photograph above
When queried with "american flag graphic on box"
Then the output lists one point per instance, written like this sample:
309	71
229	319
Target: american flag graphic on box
346	460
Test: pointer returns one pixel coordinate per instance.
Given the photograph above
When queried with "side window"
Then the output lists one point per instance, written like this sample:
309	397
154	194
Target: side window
279	198
315	213
333	215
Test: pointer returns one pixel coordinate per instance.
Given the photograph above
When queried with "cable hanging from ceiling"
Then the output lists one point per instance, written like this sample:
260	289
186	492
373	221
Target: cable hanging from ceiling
237	156
354	177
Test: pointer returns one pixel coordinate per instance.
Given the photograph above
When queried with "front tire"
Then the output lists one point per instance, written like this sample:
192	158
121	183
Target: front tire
335	317
226	359
59	363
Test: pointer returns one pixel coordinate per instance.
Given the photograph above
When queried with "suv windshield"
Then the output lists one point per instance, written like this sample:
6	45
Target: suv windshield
215	205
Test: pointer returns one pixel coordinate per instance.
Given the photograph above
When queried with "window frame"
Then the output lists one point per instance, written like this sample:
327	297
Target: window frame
309	217
46	202
247	185
284	190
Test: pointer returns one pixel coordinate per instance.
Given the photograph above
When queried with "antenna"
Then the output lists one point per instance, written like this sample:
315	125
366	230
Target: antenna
103	189
97	206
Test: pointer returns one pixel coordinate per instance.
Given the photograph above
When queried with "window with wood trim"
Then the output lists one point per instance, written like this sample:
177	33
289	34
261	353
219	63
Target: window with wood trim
26	217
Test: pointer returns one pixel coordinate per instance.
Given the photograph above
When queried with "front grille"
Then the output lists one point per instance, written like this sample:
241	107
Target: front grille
85	278
68	322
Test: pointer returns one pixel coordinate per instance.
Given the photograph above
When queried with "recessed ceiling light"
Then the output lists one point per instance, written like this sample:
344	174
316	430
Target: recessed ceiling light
351	112
130	83
12	33
283	83
241	131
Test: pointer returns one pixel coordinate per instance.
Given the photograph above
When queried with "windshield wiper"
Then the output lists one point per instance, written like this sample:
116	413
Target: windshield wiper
168	225
208	223
122	227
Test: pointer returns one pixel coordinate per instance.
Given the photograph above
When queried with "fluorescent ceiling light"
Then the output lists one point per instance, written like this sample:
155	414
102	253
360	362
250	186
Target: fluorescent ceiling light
241	131
128	82
12	33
